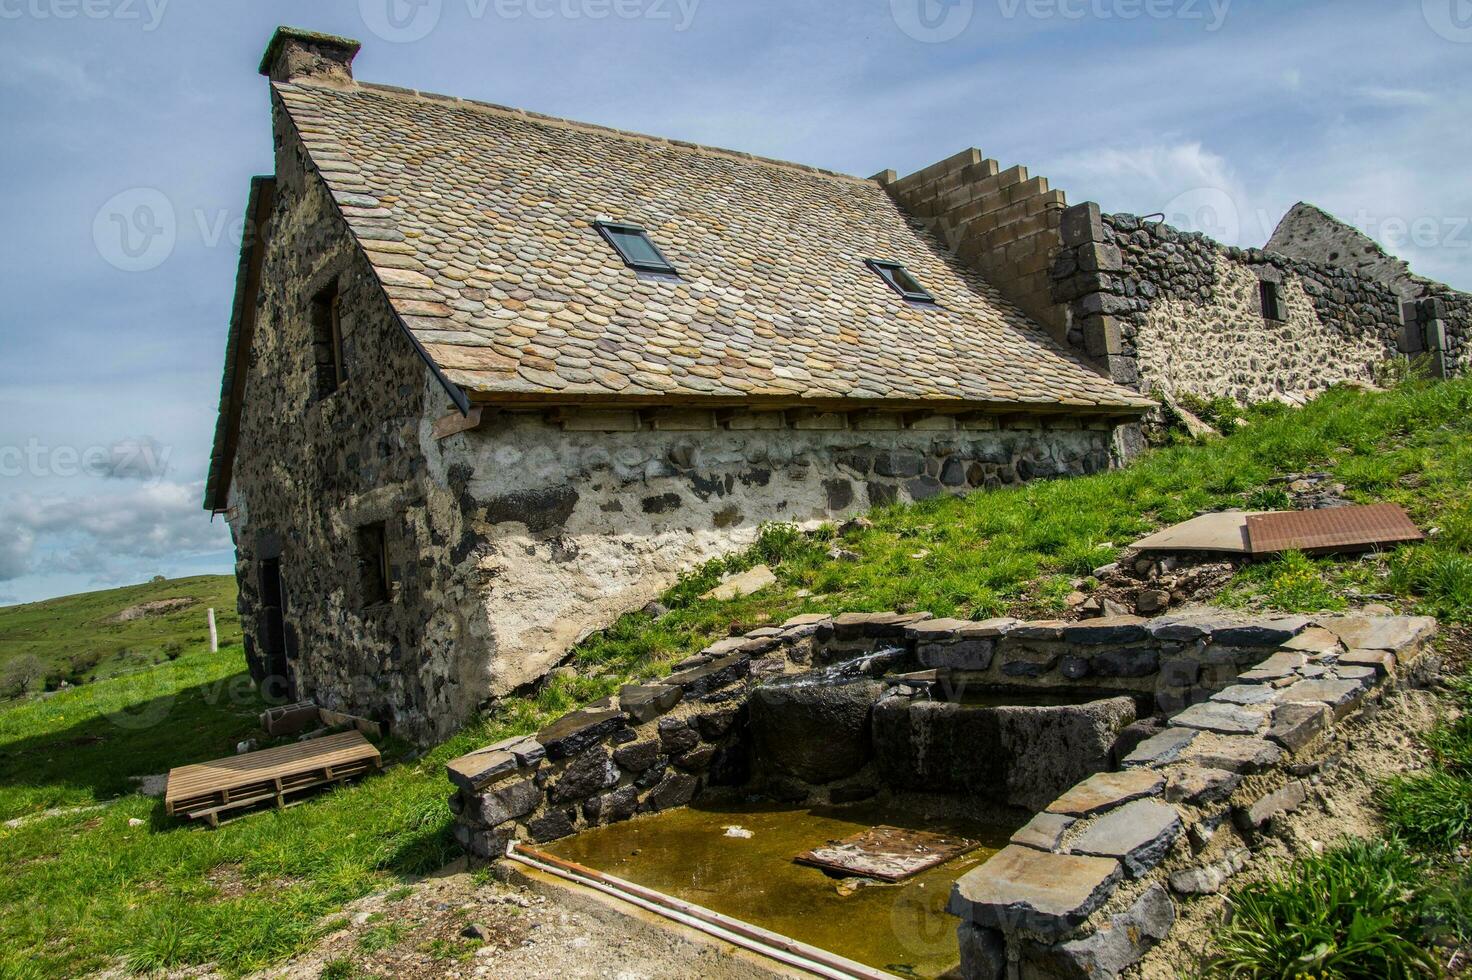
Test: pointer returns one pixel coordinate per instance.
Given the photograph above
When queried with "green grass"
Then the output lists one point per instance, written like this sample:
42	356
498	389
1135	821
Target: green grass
80	891
79	638
1356	911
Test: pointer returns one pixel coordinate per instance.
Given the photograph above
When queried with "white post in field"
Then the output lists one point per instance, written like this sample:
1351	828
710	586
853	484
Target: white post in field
214	634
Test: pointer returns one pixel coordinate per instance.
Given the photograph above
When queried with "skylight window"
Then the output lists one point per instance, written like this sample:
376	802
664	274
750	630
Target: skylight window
634	247
901	281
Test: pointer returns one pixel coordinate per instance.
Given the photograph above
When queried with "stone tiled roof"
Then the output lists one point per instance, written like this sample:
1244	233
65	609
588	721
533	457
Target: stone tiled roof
479	221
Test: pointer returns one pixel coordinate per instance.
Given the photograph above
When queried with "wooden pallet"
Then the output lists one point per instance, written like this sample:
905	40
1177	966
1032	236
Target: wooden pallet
276	776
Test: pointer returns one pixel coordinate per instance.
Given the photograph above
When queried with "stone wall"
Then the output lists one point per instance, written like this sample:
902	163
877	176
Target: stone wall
1179	313
564	530
1091	883
312	467
1003	223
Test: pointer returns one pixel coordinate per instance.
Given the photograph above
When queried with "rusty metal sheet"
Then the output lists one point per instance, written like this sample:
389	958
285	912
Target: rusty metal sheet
887	853
1331	529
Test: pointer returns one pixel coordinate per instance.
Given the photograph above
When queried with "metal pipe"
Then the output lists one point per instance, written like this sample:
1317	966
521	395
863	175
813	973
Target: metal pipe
734	931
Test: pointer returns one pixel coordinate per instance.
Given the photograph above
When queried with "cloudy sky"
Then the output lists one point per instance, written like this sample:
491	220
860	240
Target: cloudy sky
1221	113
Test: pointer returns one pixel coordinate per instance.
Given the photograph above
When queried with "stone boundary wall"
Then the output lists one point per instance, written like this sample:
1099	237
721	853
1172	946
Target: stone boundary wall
1085	889
1161	308
1003	223
659	745
1442	329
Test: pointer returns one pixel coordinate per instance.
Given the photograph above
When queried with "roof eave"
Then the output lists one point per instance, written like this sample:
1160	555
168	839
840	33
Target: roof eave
238	343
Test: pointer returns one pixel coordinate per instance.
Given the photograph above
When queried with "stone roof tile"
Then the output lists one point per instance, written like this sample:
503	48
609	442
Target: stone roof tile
479	222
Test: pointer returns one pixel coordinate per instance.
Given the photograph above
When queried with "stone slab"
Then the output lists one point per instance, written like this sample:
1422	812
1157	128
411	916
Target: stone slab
1044	831
1236	753
1105	790
1196	786
711	676
1394	633
1244	695
743	584
572	733
1138	835
1383	662
471	772
1297	725
645	702
1224	719
1284	800
1222	532
1279	665
1315	639
1162	748
1024	888
1109	629
1261	633
1114	947
1342	697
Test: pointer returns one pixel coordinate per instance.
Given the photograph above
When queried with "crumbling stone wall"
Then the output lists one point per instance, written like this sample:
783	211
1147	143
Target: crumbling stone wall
1179	312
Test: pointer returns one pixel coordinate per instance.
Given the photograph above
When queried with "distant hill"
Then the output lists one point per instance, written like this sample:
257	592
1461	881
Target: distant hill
81	638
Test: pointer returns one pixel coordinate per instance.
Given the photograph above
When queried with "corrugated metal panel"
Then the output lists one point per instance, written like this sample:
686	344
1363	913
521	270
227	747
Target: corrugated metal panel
1331	529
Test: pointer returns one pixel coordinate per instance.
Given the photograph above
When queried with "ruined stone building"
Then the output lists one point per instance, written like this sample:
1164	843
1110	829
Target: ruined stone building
494	378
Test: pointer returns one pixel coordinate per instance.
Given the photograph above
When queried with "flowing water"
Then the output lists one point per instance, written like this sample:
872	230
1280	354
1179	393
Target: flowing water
868	665
687	853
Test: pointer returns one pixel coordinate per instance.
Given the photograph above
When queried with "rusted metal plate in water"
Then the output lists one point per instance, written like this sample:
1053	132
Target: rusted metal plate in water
1331	529
887	853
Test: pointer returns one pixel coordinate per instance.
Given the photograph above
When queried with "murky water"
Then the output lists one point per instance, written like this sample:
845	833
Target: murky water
686	853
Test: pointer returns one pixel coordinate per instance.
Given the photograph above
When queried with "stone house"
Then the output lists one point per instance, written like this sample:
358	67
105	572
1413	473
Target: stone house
493	378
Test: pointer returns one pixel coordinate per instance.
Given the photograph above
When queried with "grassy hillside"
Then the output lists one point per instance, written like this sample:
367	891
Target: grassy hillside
82	889
81	638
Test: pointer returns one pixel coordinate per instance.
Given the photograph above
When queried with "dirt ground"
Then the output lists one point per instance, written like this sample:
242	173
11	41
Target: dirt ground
420	931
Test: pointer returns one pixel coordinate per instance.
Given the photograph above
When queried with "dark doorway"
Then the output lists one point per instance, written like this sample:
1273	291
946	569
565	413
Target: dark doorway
277	683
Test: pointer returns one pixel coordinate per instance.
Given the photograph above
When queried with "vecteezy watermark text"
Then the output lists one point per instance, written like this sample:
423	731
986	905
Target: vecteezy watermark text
1211	13
402	21
132	459
148	12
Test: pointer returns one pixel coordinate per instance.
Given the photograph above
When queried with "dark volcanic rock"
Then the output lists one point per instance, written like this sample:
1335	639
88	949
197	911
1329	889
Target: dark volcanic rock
817	733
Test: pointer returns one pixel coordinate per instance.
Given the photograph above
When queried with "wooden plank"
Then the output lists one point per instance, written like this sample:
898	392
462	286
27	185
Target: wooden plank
257	768
444	428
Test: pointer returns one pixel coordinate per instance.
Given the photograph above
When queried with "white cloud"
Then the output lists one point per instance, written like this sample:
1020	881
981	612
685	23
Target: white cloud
1394	97
105	535
16	545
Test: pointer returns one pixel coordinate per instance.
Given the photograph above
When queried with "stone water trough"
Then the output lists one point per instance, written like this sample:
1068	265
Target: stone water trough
1132	744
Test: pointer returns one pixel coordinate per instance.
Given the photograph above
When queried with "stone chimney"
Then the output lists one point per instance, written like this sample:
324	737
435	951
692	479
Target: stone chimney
295	55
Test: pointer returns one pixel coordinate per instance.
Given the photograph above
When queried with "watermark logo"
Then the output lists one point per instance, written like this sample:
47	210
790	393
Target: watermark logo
148	12
1211	13
1208	210
932	21
136	230
1451	19
144	460
412	20
401	21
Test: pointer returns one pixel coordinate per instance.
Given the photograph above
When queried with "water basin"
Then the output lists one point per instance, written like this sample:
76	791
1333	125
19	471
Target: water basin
686	853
